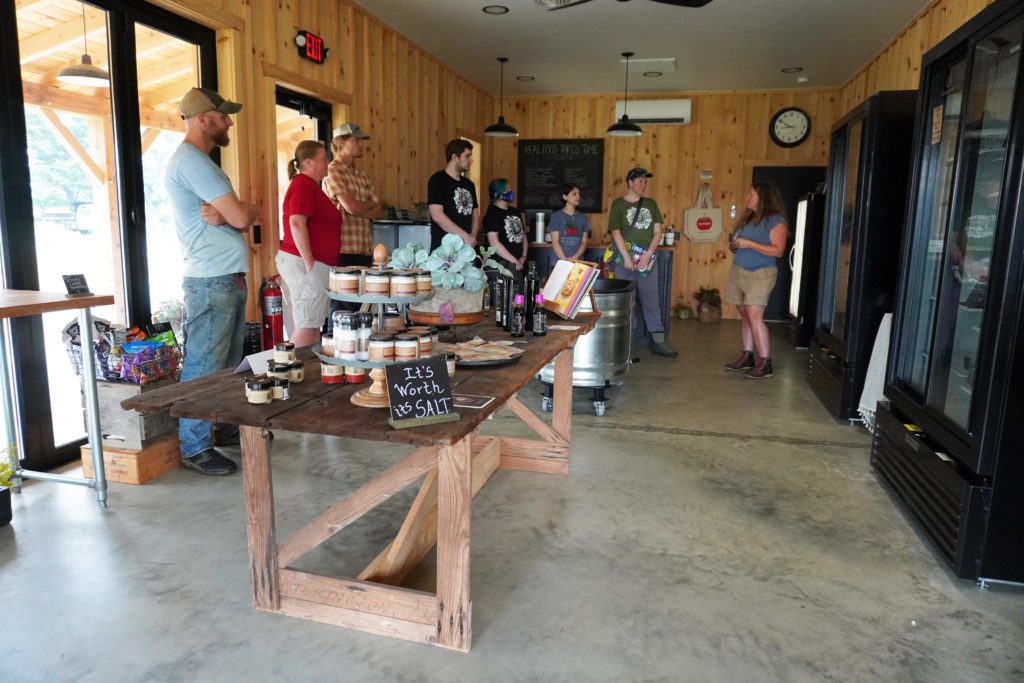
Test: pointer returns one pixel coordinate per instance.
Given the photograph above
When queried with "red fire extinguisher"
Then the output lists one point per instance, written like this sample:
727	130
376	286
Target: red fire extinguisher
271	306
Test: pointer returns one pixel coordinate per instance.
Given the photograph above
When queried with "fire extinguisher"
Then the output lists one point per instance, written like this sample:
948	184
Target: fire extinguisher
271	306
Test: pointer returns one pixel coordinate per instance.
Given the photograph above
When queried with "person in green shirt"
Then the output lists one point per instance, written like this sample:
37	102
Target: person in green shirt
635	224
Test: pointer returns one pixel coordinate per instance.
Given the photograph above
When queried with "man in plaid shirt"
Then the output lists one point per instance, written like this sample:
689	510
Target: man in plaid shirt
352	192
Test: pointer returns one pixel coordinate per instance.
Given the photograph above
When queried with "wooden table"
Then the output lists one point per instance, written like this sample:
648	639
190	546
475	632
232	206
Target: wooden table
16	303
454	457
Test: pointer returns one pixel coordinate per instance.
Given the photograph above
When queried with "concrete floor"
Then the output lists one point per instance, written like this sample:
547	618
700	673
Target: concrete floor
712	528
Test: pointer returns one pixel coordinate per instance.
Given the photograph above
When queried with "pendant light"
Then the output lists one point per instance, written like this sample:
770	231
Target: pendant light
624	128
84	72
501	129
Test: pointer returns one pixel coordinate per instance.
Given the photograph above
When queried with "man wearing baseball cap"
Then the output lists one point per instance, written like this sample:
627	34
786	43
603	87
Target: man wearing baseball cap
209	220
352	192
635	224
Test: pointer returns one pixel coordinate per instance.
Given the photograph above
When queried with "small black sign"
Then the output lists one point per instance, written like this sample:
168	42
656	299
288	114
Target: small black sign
419	393
311	47
76	285
544	165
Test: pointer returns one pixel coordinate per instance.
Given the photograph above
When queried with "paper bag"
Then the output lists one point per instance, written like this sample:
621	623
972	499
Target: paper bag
702	222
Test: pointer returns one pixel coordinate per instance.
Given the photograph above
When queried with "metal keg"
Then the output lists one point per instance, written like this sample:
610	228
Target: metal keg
601	356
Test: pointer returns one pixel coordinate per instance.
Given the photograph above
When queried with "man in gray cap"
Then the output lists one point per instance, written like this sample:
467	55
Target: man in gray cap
209	220
635	223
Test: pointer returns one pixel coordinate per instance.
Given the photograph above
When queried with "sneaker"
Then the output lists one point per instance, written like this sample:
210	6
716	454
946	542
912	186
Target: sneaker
762	372
663	349
745	362
210	462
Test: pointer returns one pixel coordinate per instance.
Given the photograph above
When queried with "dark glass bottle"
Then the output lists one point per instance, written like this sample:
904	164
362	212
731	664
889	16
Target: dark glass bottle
539	319
487	296
531	289
510	294
518	326
499	296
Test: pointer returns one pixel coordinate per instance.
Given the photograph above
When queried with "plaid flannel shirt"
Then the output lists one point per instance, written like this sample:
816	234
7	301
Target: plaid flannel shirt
355	231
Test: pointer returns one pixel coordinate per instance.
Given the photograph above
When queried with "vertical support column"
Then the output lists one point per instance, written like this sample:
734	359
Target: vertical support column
92	405
561	416
259	513
455	498
12	441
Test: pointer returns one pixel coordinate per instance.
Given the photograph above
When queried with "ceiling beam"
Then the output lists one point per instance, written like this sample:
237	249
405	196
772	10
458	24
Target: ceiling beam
31	5
62	37
168	71
73	146
60	99
169	93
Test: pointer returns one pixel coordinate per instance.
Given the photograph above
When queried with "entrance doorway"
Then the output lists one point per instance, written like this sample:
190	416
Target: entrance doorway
299	117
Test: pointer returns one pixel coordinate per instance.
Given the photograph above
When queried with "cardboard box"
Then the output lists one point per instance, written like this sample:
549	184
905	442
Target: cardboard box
136	467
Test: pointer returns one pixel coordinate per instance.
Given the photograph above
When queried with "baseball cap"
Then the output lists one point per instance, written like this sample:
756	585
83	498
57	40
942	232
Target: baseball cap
350	129
201	100
637	172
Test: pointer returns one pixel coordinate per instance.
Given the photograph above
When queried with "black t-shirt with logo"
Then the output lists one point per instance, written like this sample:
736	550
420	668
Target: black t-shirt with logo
458	197
508	226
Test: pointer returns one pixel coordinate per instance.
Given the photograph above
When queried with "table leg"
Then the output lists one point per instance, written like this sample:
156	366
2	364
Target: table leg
561	416
92	406
455	499
259	512
9	402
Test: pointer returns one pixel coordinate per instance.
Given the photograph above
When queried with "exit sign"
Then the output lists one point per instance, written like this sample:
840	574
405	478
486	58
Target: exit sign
311	47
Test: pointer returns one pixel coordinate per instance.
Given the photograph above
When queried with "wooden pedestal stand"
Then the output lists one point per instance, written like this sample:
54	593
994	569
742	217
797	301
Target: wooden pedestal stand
375	395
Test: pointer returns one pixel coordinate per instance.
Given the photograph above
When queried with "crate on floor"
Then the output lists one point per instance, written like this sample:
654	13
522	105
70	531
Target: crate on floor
127	429
136	466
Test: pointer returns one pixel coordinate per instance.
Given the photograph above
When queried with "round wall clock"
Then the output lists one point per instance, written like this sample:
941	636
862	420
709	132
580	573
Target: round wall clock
789	127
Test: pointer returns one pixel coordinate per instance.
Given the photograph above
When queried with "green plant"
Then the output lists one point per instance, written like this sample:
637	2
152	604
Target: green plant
453	265
709	296
5	471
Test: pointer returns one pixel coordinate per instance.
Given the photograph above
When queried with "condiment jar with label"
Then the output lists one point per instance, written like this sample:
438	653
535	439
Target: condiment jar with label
403	283
346	335
282	392
259	390
407	347
355	375
284	352
327	345
365	331
377	283
424	284
297	371
278	370
332	374
382	347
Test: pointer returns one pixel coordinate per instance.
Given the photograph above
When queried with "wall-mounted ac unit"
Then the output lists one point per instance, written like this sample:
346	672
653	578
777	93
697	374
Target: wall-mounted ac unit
655	112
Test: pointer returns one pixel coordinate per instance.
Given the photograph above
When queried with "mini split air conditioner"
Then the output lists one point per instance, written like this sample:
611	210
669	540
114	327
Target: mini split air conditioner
655	112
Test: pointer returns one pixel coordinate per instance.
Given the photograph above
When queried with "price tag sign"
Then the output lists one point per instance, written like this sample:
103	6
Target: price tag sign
76	285
419	393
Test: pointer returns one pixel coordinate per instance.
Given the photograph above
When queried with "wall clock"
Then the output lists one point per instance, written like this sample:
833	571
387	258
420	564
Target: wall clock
789	127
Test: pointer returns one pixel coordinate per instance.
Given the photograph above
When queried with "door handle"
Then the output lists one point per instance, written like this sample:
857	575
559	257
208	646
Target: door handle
792	255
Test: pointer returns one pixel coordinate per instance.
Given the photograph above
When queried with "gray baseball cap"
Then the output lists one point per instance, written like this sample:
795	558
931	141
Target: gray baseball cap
201	100
350	129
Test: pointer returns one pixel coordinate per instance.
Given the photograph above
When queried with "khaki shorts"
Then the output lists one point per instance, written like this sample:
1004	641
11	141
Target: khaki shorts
750	287
305	294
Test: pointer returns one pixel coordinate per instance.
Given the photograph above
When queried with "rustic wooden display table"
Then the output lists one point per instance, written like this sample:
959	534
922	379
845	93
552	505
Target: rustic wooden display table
15	303
456	459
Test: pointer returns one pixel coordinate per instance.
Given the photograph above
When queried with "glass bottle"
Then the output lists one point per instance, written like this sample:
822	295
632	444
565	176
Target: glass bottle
499	295
539	320
517	328
531	289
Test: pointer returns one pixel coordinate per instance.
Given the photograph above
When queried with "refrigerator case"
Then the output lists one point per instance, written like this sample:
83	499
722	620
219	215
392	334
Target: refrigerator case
950	446
869	164
805	262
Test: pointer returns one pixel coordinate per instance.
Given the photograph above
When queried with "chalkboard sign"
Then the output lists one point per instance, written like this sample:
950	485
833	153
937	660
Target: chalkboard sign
419	393
544	165
76	285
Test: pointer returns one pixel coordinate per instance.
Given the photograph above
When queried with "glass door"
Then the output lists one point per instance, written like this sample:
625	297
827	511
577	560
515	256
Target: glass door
847	222
299	117
796	258
964	286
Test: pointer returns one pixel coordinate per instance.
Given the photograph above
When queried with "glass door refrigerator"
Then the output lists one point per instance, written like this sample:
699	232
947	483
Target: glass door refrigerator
805	262
950	444
869	165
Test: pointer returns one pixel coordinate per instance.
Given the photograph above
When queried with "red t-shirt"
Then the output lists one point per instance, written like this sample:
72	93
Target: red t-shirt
323	221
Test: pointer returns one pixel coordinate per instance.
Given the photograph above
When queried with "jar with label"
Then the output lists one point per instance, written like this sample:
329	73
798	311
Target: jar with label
346	334
424	284
259	390
282	392
275	369
297	371
284	352
365	330
382	347
327	345
407	347
426	342
377	283
332	374
348	280
355	375
403	283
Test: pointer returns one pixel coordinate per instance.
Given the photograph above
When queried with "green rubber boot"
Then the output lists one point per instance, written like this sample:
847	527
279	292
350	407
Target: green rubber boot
660	348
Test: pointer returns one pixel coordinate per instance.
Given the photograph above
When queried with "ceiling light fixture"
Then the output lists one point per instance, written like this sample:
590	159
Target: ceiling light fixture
501	129
792	69
526	78
624	128
652	74
495	9
84	72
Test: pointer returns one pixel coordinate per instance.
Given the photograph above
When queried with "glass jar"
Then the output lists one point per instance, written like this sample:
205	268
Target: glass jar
259	390
277	370
348	280
407	347
346	334
377	283
297	371
403	283
365	331
332	374
284	352
424	285
282	392
382	347
355	375
327	345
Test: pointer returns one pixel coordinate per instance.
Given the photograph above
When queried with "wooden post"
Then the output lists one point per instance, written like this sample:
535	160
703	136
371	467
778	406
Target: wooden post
453	526
561	416
259	513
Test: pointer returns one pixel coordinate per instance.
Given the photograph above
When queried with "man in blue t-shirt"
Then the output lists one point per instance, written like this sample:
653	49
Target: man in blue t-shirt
209	220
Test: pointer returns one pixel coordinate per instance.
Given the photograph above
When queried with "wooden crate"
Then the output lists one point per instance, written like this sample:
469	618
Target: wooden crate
127	429
136	467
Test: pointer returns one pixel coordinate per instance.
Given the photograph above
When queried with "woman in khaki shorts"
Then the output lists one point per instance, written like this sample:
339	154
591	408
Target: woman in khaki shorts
760	239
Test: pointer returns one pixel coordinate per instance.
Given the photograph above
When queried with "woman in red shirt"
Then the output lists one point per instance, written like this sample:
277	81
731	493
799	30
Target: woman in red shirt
312	238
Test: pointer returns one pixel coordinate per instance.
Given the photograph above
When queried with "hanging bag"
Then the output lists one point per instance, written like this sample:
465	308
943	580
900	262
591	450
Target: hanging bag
703	222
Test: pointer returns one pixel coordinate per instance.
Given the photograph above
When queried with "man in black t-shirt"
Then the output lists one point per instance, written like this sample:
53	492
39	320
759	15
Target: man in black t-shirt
452	197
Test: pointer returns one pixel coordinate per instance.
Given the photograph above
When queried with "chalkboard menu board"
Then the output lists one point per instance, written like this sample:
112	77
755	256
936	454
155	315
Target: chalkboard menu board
544	165
419	393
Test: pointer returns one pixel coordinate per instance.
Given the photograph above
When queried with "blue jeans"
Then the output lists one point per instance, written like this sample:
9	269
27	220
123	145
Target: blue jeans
214	329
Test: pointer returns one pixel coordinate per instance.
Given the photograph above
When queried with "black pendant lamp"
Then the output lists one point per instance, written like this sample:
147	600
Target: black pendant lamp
624	128
84	72
501	129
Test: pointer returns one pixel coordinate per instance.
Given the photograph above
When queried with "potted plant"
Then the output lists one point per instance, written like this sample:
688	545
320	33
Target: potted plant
5	491
709	304
456	272
683	310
